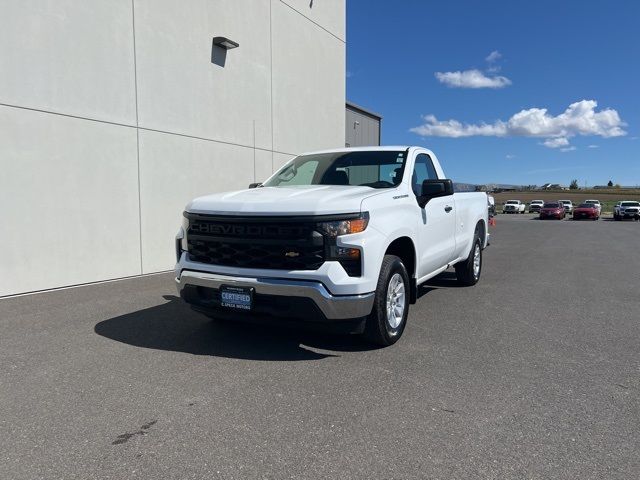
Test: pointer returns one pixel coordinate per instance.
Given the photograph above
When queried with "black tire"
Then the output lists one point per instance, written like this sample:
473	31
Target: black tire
465	271
378	328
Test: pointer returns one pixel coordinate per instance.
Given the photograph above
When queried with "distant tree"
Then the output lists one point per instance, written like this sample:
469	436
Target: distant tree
573	185
610	184
617	185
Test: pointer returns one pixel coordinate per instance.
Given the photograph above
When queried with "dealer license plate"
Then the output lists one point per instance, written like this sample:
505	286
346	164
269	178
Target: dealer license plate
237	298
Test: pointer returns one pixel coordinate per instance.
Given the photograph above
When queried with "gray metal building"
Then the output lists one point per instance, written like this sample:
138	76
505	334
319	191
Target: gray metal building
362	126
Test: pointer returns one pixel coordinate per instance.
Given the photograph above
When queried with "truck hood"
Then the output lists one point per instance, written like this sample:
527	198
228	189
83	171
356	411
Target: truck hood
282	201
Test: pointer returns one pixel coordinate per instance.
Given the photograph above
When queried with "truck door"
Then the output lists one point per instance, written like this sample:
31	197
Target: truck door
436	222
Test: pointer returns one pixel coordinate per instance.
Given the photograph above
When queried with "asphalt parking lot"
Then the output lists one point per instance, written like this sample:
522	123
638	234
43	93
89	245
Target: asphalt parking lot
533	373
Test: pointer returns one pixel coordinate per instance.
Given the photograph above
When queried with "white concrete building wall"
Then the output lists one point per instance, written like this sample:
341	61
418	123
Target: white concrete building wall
113	115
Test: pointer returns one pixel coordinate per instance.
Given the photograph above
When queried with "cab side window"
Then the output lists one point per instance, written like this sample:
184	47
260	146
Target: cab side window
422	170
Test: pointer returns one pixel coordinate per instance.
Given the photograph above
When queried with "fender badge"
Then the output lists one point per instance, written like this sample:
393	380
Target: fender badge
292	254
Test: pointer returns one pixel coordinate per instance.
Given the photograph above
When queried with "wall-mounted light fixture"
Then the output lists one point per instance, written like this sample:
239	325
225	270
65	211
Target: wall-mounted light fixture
224	42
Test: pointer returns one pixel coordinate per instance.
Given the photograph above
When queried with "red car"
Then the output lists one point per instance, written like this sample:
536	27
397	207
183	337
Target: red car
586	210
552	210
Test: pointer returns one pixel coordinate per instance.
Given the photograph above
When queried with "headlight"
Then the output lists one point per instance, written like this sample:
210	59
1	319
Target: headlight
185	229
336	228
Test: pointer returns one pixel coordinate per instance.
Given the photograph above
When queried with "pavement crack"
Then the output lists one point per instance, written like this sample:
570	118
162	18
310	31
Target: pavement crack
125	437
147	426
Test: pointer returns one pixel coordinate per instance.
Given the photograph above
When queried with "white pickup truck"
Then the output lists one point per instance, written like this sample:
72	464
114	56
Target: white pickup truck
626	209
514	206
338	237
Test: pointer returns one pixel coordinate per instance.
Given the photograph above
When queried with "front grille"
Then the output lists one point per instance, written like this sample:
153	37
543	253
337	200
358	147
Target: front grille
264	243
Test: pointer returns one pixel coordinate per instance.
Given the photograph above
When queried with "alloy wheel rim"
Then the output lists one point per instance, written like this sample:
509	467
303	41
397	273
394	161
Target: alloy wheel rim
476	261
396	299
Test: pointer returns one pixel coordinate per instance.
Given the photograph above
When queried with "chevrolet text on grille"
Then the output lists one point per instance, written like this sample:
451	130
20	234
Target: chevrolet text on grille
240	230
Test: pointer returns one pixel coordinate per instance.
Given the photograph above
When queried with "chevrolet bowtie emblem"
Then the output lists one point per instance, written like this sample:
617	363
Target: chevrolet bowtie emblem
292	254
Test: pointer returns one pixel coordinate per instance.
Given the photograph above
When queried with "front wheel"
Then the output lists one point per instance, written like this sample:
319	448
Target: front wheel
468	272
386	322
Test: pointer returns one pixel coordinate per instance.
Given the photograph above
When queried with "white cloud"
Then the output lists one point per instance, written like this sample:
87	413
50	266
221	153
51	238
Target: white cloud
472	79
475	78
493	56
556	142
349	74
580	118
593	146
568	149
509	156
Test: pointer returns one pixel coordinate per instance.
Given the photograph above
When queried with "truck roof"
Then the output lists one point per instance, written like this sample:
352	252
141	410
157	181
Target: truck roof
368	149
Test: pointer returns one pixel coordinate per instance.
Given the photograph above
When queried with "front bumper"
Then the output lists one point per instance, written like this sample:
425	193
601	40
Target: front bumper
272	295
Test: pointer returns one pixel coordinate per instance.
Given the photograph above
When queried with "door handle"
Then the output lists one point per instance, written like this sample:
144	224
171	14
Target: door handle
448	208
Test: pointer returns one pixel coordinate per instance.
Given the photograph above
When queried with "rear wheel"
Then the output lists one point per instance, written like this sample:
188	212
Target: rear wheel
385	324
468	272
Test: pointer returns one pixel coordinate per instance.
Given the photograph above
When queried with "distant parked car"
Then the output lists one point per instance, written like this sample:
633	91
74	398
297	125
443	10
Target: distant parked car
586	211
552	210
513	206
568	206
596	203
535	206
626	209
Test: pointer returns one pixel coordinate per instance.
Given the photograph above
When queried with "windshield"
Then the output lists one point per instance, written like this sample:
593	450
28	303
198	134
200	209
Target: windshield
537	202
586	205
512	202
630	204
375	169
551	205
592	201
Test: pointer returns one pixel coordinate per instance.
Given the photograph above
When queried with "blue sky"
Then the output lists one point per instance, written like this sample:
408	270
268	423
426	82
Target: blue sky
428	68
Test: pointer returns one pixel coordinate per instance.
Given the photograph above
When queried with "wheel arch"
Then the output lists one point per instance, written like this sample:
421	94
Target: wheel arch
481	228
404	248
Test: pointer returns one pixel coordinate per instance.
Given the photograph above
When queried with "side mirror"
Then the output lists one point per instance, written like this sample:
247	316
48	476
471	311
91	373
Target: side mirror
434	189
255	185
